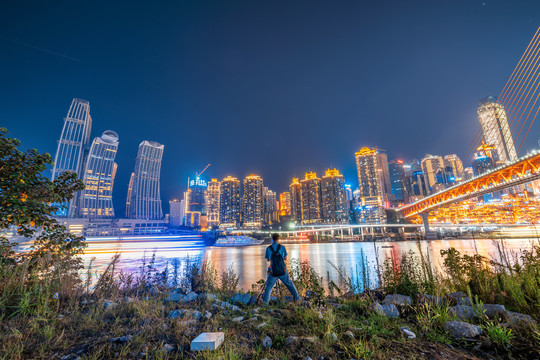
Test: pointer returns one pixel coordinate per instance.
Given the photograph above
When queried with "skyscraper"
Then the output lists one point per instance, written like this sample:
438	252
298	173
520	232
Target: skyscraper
397	180
229	203
431	164
334	198
270	206
454	162
98	177
252	202
492	118
144	199
296	200
73	143
371	209
311	199
212	203
285	204
195	202
384	174
176	212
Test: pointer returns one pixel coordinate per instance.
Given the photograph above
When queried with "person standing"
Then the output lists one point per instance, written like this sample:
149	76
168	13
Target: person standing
276	256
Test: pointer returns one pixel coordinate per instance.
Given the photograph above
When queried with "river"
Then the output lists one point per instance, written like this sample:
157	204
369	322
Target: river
249	263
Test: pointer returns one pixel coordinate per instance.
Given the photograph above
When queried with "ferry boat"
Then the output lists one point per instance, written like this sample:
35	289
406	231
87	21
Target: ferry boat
237	240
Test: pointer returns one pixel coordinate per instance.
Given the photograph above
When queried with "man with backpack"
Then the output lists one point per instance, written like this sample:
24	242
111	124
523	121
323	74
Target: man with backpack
276	255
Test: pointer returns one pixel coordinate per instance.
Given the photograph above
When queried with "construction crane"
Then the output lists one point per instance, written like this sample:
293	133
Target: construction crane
199	174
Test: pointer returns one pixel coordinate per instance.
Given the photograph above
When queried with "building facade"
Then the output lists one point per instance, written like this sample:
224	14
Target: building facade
397	180
72	147
311	199
176	212
253	202
371	207
285	204
99	172
229	203
270	206
334	198
295	190
144	197
196	202
212	203
431	165
495	128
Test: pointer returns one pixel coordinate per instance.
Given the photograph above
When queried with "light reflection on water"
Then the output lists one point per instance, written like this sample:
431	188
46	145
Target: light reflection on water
249	263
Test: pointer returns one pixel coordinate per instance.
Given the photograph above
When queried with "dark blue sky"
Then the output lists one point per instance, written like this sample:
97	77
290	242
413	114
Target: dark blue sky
271	87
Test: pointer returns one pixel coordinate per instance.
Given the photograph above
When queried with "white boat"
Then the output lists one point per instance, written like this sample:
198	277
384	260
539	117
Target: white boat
237	240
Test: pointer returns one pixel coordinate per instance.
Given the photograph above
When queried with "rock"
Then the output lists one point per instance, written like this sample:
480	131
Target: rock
226	305
188	322
256	310
308	358
207	314
333	337
130	300
398	300
207	297
176	314
389	310
189	297
517	319
86	302
207	341
494	310
267	342
167	348
108	304
407	332
238	319
290	340
241	298
263	324
459	330
70	357
459	298
349	334
321	316
431	299
121	339
462	312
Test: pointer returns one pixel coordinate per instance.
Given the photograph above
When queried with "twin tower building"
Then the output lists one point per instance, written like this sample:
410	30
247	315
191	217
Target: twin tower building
95	165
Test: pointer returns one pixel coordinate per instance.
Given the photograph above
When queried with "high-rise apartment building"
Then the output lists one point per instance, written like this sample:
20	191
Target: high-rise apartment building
454	162
285	204
311	199
334	198
73	143
495	128
176	212
370	182
252	202
270	206
99	172
384	174
431	164
212	203
229	203
144	198
195	202
296	200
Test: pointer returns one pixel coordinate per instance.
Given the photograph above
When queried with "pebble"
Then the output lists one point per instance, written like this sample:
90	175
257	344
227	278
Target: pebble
167	348
349	334
238	319
267	342
459	329
121	339
407	333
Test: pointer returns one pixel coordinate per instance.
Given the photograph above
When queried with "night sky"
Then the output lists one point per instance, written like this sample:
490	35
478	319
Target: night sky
275	88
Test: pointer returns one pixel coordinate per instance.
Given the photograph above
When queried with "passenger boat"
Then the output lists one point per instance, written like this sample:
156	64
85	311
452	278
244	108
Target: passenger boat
237	240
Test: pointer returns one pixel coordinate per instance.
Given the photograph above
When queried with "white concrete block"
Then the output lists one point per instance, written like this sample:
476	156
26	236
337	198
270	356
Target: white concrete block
207	341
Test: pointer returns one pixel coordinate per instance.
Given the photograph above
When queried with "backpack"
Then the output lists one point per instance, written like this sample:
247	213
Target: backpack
278	265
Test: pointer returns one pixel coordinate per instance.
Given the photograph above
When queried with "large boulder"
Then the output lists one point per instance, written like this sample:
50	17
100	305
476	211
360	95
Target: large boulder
494	310
462	330
431	299
176	296
398	300
518	319
462	312
241	298
389	310
459	298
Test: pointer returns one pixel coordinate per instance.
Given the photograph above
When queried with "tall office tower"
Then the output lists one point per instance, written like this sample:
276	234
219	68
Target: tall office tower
212	203
144	199
485	159
370	181
311	199
270	207
296	200
384	174
348	192
252	202
176	212
195	202
229	203
73	143
419	185
285	204
468	173
99	172
454	162
334	198
397	180
430	166
492	118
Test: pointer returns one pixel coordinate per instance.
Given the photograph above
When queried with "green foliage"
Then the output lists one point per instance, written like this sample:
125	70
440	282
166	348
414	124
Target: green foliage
411	275
306	278
499	336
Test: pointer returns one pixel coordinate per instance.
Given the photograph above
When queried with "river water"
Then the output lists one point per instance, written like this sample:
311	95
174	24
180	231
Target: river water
249	263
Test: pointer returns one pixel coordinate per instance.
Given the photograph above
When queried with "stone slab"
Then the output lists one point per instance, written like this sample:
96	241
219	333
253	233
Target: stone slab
207	341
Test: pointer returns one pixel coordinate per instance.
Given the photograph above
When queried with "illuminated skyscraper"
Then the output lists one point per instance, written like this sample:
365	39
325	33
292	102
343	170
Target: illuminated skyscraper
252	202
99	172
454	162
229	203
296	200
311	199
397	180
371	209
270	206
73	143
384	174
176	212
334	198
431	164
485	159
212	203
492	118
195	202
285	204
144	199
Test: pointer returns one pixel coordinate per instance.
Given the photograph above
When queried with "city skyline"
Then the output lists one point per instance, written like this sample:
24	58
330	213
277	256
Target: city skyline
384	72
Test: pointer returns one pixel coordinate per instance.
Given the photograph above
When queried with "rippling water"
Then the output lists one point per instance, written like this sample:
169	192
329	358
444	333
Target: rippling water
249	262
